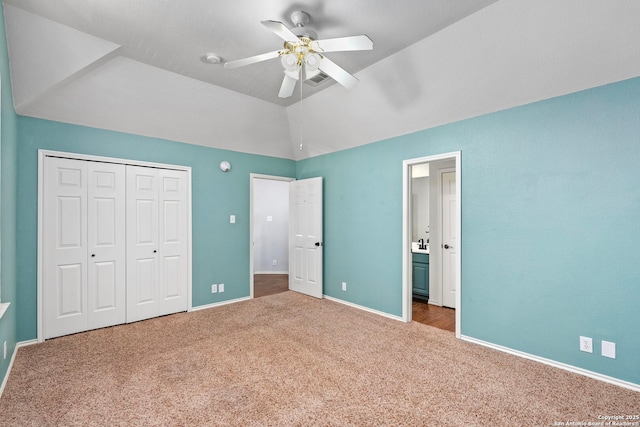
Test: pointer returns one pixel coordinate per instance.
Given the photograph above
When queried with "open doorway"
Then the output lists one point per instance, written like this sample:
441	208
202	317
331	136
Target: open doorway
269	234
431	240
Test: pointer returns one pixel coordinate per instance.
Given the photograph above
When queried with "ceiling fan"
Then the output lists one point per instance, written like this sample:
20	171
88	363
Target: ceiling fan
303	55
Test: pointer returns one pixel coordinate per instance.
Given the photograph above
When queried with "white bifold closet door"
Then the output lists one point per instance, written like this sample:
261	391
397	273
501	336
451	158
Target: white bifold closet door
115	244
156	242
84	246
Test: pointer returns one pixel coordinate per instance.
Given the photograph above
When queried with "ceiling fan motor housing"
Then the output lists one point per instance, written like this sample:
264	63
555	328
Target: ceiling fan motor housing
299	19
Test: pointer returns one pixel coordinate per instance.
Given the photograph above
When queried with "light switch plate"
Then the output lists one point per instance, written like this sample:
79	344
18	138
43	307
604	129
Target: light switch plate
609	349
232	219
221	287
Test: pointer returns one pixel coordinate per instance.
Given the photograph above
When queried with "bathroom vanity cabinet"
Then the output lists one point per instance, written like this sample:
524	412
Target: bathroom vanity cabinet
421	276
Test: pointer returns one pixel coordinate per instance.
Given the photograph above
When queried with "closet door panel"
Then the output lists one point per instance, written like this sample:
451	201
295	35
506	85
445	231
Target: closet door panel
173	238
107	246
142	243
65	247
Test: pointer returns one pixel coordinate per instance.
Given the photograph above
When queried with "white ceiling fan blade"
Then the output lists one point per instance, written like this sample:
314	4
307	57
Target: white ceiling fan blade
281	31
341	44
288	86
337	73
252	60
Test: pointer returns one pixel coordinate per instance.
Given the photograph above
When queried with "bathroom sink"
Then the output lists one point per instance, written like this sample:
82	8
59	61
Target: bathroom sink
415	248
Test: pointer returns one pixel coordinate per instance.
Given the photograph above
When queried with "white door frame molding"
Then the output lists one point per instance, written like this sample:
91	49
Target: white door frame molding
406	232
252	178
42	155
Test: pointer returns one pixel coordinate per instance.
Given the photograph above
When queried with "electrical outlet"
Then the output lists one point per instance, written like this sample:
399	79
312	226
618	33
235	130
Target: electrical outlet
344	286
221	287
232	219
214	288
4	351
275	262
586	344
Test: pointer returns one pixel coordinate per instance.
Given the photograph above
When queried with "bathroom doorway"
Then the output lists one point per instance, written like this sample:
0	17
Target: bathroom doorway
269	234
431	240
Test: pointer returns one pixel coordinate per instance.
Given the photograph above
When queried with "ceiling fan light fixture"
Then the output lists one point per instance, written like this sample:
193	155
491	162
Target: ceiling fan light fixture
289	61
312	61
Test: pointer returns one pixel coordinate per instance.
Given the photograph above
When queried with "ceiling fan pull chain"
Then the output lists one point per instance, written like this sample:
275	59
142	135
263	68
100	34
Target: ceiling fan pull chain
300	122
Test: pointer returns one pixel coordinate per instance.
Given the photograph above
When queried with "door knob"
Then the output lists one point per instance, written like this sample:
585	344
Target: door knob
154	251
318	243
446	246
92	255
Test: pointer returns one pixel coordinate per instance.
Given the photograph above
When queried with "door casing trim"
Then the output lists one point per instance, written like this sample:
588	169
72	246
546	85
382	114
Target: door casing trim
406	232
252	177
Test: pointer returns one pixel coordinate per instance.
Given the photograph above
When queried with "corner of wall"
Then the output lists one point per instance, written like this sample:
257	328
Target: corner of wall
8	193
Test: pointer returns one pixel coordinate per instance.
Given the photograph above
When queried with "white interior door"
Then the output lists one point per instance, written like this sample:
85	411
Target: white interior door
449	239
172	249
106	243
65	247
142	243
305	236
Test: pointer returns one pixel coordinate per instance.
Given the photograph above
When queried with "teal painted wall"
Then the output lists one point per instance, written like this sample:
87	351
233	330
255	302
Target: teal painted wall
8	170
220	250
550	224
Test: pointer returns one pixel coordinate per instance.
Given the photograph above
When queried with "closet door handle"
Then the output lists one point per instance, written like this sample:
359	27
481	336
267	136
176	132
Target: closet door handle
154	251
93	255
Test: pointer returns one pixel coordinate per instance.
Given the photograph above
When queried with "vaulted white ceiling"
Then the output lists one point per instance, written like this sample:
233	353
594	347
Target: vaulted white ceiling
136	66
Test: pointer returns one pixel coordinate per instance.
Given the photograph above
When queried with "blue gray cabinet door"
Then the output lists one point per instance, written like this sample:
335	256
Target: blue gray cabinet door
421	275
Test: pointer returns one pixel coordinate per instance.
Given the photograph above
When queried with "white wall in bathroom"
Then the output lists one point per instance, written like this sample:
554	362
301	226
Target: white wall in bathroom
271	237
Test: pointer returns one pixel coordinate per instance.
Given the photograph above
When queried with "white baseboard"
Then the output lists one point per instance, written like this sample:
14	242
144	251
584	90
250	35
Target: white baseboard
13	357
370	310
555	364
218	304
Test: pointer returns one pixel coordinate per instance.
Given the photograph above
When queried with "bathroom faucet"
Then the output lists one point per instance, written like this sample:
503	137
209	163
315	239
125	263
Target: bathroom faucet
422	245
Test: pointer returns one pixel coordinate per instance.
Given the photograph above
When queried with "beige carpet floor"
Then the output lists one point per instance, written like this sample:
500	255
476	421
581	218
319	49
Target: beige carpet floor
291	360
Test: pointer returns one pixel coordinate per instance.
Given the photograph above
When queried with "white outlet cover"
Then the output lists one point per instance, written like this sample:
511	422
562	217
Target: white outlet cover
609	349
221	287
344	286
586	344
269	218
232	219
214	289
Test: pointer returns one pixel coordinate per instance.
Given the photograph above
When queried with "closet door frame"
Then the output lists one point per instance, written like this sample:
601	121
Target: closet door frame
42	155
